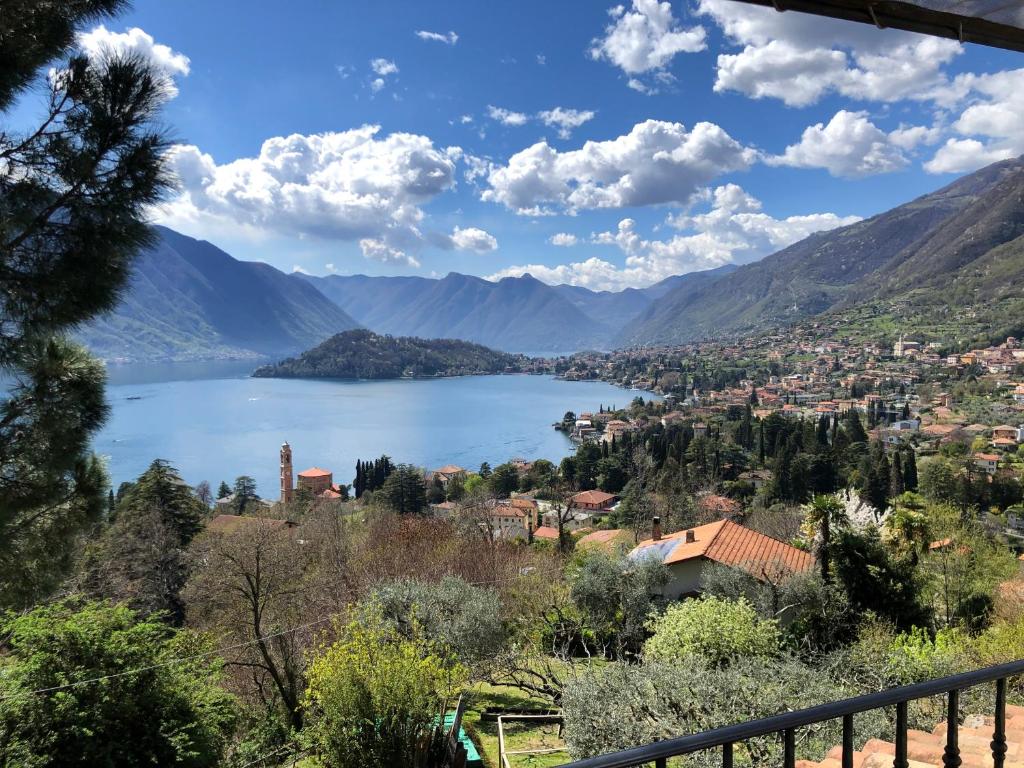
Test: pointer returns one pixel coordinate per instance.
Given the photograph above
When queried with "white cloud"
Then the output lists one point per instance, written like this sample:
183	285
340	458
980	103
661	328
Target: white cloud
565	119
799	58
451	38
507	116
473	239
849	146
330	267
564	239
656	162
909	137
350	185
384	67
378	250
992	123
645	38
296	268
734	229
466	119
100	41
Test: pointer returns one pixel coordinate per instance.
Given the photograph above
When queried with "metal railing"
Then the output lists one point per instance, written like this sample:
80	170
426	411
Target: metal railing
787	723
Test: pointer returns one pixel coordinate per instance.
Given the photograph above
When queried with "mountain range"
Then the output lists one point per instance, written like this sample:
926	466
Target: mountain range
950	260
943	247
189	300
515	314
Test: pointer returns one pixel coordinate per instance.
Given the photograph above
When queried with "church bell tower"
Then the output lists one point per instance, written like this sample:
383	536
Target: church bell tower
286	473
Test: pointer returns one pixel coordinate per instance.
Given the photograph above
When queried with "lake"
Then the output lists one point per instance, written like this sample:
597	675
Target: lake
213	422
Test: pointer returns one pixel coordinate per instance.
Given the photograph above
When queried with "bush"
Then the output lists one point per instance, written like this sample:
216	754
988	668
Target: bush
375	694
167	714
621	706
712	631
465	620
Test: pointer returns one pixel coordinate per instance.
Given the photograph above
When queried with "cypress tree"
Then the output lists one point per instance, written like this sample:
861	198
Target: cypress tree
910	471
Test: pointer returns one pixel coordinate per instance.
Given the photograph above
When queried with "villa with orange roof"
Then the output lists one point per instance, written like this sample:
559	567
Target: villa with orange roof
689	552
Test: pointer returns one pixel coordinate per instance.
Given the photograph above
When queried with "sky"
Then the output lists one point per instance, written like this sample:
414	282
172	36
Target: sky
590	143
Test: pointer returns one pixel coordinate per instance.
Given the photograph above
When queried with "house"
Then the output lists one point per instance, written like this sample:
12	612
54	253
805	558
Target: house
712	506
444	509
758	478
528	507
546	533
449	472
227	504
688	553
615	539
595	501
986	462
508	523
576	521
1005	432
700	429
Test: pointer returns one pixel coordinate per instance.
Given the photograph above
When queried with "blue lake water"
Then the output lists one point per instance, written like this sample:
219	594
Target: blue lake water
213	422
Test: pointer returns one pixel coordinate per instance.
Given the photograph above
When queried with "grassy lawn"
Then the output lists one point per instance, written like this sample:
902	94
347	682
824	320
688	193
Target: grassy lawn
517	735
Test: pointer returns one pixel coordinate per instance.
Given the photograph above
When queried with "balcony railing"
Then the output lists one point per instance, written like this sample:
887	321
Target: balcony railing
788	723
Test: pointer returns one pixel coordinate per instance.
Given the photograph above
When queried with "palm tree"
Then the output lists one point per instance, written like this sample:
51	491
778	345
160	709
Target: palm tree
825	512
907	525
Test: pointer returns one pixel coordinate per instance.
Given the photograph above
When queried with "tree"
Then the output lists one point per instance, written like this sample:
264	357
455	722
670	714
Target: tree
464	620
245	494
139	558
404	491
224	490
712	631
616	595
252	586
75	191
375	694
910	470
204	494
825	512
161	703
504	480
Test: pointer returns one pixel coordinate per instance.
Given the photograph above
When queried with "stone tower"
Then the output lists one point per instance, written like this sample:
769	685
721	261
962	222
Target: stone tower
286	473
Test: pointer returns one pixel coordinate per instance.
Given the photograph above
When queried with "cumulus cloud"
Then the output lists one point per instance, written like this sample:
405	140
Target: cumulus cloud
656	162
799	58
101	41
383	68
352	185
438	37
992	125
506	116
733	229
565	119
473	239
850	146
645	38
564	240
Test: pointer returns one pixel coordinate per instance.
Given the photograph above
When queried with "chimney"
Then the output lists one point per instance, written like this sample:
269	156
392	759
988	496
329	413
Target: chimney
690	537
656	529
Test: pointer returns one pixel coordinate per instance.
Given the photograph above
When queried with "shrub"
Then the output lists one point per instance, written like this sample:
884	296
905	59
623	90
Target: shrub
712	631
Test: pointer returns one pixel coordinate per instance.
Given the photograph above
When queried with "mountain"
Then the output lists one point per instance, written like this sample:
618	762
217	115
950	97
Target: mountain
189	300
923	247
362	354
518	314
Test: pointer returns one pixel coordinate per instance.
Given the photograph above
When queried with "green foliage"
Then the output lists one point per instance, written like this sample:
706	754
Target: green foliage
504	480
362	354
712	631
171	713
75	190
404	491
627	705
462	619
374	695
615	594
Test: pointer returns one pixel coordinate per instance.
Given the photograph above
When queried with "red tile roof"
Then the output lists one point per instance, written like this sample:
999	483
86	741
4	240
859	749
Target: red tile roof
314	472
546	532
593	497
731	544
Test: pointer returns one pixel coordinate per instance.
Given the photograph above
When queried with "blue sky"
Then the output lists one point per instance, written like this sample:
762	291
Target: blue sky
332	137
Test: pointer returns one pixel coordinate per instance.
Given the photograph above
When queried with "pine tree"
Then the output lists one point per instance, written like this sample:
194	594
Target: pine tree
910	471
896	482
223	490
74	191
